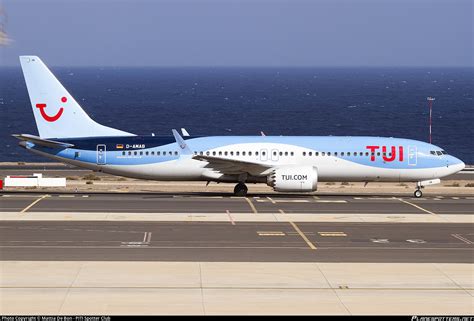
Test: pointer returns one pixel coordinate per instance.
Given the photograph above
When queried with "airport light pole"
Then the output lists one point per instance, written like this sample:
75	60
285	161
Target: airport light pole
430	104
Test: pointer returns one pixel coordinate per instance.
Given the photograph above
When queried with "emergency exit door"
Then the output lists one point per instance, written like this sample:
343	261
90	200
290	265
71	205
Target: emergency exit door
101	154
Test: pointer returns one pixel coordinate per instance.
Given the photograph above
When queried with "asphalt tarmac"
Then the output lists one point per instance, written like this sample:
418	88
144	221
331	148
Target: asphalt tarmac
251	241
240	242
216	203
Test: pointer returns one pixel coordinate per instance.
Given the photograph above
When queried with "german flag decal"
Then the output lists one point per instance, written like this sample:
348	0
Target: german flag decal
119	146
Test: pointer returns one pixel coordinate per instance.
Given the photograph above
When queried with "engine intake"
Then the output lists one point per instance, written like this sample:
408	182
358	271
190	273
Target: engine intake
293	179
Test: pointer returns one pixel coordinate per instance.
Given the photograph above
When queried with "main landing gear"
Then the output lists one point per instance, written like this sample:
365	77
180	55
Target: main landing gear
240	189
418	193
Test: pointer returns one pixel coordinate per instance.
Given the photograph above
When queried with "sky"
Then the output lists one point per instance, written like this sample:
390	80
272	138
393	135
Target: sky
239	33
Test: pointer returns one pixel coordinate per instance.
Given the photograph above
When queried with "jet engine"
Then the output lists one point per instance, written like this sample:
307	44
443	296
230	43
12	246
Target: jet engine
293	179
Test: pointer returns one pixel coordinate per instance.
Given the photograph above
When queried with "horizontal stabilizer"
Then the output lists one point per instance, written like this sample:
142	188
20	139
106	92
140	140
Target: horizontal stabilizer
41	141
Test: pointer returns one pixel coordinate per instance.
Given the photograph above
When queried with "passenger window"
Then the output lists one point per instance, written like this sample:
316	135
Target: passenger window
348	153
225	153
281	153
231	153
292	153
243	153
214	153
236	153
146	153
304	153
158	153
378	154
220	153
361	154
263	153
366	153
176	153
323	154
141	153
274	153
129	153
316	153
310	154
250	153
153	153
335	154
286	153
342	153
123	153
256	153
329	153
135	153
207	153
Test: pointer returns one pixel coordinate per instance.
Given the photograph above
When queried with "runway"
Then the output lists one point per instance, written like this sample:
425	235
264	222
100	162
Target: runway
245	235
212	253
216	203
241	242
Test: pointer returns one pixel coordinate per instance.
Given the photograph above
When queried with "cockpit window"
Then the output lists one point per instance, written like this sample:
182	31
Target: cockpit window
438	152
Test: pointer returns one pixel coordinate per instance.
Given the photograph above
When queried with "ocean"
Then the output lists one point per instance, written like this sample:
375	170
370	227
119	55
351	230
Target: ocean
244	101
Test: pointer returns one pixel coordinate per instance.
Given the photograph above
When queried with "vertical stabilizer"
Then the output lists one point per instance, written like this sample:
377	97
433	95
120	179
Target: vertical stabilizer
57	113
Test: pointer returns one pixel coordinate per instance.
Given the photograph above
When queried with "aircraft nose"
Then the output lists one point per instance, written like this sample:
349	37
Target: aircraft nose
456	165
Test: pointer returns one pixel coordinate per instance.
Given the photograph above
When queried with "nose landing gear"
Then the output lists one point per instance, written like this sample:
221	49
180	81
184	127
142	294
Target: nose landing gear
419	185
240	189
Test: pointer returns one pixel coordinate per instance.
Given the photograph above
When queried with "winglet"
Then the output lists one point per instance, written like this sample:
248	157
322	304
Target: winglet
181	143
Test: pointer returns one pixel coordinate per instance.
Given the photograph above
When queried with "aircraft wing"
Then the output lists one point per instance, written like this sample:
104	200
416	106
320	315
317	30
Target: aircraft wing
41	141
232	166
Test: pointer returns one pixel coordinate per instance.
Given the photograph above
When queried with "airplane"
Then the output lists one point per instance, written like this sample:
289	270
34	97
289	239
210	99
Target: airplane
286	163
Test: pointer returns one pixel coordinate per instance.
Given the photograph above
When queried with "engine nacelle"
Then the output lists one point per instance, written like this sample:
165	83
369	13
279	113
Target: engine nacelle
293	179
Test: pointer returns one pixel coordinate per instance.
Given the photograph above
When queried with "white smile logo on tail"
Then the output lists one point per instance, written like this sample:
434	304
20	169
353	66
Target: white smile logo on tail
46	116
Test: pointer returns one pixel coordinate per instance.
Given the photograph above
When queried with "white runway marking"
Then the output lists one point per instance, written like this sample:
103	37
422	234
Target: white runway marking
459	237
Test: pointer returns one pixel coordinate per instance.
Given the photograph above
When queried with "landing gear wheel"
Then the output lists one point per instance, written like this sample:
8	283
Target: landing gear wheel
418	193
240	189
